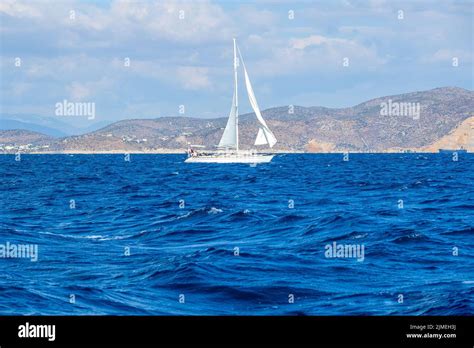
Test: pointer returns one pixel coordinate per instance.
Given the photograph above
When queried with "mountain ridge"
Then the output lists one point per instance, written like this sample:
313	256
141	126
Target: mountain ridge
360	128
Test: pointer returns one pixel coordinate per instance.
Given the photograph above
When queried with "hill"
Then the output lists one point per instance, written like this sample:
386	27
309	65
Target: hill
405	122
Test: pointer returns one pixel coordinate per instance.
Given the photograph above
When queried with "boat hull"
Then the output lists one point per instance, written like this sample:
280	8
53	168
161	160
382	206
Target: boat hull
230	159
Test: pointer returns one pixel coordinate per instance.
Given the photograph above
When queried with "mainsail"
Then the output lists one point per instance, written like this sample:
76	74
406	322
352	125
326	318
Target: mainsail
229	138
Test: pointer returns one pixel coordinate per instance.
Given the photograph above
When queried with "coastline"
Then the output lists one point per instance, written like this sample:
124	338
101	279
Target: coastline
183	152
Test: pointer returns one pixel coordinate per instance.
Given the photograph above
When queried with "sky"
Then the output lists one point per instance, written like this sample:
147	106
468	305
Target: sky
309	53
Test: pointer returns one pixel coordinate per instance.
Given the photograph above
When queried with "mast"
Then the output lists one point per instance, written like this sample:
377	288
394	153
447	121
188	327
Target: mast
236	98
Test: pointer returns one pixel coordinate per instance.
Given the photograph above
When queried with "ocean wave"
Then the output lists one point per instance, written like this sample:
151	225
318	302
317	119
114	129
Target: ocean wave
234	246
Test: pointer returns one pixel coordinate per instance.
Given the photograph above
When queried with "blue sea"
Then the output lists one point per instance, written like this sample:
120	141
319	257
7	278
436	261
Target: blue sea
156	236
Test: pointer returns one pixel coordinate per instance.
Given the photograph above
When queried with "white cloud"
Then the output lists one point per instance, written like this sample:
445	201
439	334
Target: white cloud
83	58
20	88
316	53
83	90
447	56
256	18
183	21
78	91
188	21
316	40
17	9
193	78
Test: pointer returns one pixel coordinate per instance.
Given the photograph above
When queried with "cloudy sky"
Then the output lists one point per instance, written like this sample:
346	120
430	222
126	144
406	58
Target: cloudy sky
180	53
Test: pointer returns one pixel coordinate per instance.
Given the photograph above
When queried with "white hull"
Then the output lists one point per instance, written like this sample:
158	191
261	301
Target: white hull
232	158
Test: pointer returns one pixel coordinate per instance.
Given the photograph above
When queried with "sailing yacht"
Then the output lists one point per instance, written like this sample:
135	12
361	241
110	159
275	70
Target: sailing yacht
228	148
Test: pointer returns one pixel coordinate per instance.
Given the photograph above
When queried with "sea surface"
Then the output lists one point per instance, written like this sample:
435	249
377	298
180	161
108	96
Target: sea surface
156	236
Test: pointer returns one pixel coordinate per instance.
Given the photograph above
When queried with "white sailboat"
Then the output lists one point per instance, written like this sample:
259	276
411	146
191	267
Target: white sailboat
228	148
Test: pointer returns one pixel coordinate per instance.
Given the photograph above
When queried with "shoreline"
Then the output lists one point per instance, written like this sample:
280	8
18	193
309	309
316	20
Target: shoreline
184	152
